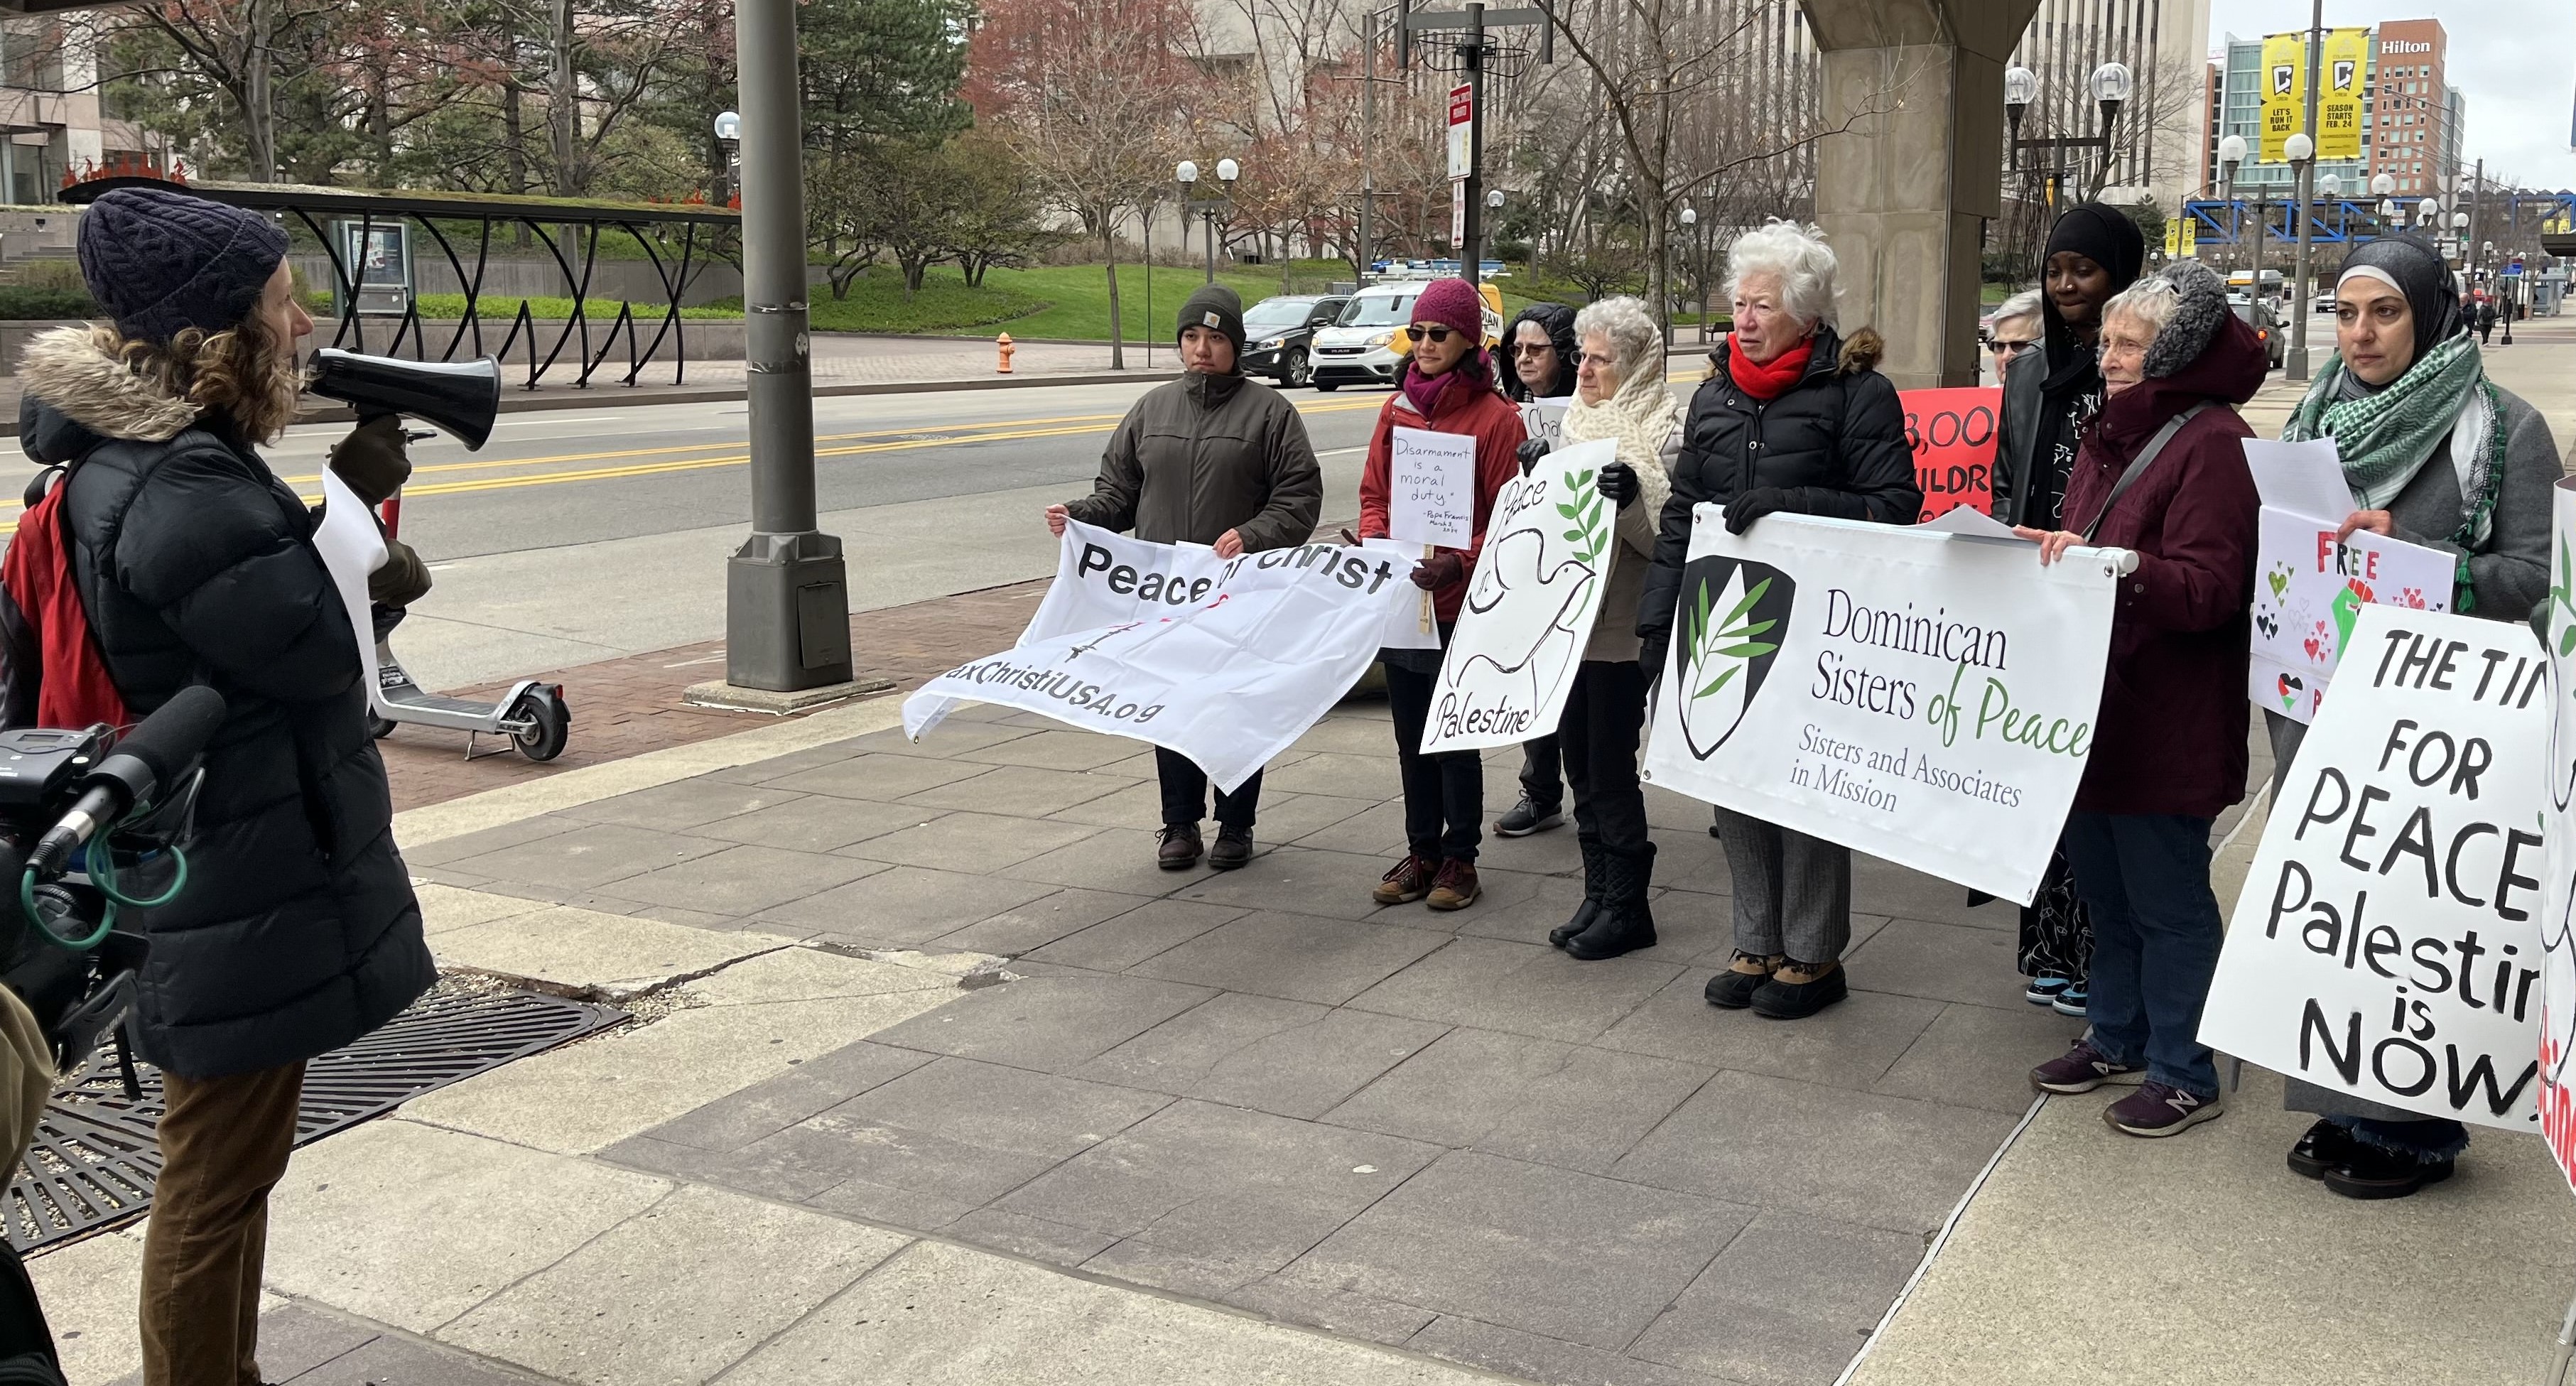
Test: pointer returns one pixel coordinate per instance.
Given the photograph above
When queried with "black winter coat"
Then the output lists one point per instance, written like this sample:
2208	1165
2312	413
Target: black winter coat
298	931
1835	440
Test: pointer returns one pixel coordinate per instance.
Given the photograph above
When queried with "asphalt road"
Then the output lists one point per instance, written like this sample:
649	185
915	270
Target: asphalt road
588	534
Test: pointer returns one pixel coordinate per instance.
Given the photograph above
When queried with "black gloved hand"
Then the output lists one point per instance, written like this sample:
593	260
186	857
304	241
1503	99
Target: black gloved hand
1531	450
1439	570
372	460
403	579
1618	482
1742	511
1652	646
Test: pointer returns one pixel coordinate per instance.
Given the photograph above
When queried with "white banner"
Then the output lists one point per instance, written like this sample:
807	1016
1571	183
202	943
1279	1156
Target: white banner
1226	661
2309	596
2386	943
1923	696
1431	488
1530	606
2557	943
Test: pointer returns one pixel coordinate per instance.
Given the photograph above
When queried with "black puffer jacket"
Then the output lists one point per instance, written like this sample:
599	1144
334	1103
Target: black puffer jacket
1835	439
1557	321
298	931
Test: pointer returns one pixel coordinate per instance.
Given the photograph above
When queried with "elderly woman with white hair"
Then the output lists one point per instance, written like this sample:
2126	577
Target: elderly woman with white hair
1619	395
2161	472
2014	330
1794	419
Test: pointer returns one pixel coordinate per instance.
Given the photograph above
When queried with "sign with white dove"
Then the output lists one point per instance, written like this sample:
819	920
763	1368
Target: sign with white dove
1529	608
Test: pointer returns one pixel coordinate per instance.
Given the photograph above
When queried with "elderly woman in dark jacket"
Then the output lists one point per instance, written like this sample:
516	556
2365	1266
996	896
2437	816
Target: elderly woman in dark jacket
2169	746
1212	458
1795	419
2438	455
297	932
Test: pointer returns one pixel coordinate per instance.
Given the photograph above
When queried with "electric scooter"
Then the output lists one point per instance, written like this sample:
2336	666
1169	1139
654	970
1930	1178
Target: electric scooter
461	400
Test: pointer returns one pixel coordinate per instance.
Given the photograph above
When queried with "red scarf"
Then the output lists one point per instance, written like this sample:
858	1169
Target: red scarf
1767	381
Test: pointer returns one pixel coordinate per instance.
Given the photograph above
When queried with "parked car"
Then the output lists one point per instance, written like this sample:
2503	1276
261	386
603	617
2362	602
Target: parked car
1279	334
2267	327
1363	346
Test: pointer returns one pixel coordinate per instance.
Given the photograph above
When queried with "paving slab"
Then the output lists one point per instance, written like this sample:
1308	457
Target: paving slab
1118	859
444	908
1941	962
683	804
816	823
1981	1056
1292	1058
950	1316
1786	1304
1203	1180
1529	1099
412	1225
1295	956
1850	1044
1026	928
1121	942
586	856
1048	1024
675	1294
1538	1357
904	904
882	777
586	949
1020	789
807	1089
968	841
1527	988
1569	1256
1303	880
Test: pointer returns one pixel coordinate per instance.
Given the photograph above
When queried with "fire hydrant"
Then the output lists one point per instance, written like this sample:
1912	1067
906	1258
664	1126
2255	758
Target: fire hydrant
1003	345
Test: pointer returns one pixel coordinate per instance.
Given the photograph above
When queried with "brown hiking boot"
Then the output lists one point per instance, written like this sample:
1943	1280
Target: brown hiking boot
1455	887
1407	881
1732	989
1178	846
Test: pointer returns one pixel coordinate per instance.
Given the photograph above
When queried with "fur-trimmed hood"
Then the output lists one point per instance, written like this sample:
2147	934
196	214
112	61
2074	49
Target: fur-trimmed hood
87	391
2200	309
1862	351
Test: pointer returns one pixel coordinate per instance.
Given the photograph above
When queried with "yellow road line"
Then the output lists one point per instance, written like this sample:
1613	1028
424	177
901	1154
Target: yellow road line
901	440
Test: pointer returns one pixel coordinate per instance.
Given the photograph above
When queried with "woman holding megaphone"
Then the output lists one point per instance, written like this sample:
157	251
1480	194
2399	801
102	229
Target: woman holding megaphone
298	932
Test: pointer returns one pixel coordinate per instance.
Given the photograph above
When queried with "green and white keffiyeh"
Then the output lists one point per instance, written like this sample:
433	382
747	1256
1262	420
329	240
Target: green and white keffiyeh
2385	437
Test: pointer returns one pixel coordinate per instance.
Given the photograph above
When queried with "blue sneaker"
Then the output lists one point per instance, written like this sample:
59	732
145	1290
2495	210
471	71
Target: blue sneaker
2043	989
2070	1000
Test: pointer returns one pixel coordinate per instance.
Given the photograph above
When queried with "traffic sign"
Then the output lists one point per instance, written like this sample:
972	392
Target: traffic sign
1462	126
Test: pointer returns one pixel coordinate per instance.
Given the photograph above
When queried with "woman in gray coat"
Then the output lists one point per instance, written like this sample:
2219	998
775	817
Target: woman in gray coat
2438	455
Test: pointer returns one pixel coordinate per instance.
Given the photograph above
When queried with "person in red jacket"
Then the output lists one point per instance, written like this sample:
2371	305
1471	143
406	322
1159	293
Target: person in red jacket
1446	386
2169	750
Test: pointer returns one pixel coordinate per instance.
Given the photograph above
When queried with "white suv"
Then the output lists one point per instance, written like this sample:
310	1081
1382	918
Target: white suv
1354	348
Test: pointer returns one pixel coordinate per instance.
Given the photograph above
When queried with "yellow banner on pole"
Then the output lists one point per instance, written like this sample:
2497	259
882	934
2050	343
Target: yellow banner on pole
2339	99
2173	238
2285	93
2190	236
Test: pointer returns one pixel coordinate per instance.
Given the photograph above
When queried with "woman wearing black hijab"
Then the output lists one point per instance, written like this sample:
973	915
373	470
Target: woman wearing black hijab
2436	454
2094	252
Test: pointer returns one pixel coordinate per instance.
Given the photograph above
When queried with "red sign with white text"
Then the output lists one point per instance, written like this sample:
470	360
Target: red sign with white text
1952	433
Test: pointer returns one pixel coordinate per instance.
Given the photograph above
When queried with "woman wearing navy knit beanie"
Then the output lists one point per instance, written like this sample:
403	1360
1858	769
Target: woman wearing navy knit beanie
297	931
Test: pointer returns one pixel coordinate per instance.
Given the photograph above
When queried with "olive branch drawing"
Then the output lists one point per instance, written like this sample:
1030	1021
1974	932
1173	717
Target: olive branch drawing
1704	636
1589	535
2562	603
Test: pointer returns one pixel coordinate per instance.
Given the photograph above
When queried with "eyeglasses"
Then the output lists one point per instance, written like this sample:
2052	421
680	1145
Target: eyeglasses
2008	348
1530	348
1432	332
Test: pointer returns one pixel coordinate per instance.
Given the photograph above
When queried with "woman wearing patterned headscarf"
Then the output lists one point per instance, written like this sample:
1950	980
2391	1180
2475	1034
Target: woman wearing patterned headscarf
2438	455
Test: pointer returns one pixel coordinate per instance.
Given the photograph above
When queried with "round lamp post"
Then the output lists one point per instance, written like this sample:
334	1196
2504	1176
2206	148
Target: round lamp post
2231	153
1690	240
2112	85
2381	187
2303	161
728	134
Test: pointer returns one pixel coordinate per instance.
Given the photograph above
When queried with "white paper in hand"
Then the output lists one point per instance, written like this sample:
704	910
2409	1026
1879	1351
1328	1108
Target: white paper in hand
351	547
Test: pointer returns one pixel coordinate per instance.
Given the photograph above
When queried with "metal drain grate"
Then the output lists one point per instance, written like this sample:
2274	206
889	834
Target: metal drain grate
94	1159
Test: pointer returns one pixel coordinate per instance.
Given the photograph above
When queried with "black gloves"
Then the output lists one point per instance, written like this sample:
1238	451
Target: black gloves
1618	482
402	580
1439	570
1531	450
1742	511
371	459
1652	646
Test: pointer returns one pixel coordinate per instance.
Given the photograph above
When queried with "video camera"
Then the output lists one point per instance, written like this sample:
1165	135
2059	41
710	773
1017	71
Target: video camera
70	803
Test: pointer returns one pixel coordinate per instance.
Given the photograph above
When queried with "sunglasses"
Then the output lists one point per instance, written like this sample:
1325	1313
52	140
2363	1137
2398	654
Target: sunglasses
1433	332
1531	348
2009	348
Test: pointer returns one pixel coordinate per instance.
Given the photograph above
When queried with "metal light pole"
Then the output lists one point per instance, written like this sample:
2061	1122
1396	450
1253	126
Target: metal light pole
1690	245
787	601
2302	149
729	134
2231	152
1471	256
2383	186
1187	174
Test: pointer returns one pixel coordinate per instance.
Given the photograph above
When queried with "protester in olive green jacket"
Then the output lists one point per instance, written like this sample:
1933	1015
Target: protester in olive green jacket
1211	458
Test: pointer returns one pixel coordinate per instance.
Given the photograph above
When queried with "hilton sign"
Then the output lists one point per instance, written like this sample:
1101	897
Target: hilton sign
2403	46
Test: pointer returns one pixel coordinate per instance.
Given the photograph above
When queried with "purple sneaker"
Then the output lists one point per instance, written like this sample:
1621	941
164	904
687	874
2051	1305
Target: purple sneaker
2081	1069
2158	1110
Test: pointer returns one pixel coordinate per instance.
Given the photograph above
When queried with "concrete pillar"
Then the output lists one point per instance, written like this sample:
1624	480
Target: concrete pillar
1902	193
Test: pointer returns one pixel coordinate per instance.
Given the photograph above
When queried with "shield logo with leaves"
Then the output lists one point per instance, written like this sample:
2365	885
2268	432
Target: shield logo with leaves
1734	615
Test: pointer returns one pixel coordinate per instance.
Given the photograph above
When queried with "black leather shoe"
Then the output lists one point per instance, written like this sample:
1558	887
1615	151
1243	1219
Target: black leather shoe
2325	1146
1591	906
1178	847
1233	849
1624	923
2373	1172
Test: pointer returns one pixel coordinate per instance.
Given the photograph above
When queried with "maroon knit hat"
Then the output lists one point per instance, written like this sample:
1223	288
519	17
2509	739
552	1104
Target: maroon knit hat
1453	303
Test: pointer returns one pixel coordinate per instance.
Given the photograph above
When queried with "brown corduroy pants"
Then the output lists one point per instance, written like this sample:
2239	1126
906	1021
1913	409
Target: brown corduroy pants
224	1143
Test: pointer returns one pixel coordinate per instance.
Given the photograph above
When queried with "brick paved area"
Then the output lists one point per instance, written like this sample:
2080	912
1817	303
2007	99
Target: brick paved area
1261	1089
624	707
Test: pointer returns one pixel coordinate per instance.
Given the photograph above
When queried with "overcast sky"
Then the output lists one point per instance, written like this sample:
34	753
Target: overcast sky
2512	58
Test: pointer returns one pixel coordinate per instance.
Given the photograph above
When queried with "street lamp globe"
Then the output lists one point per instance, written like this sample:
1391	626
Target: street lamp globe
2460	221
2388	208
2021	87
1494	198
2231	150
2330	185
2382	185
2112	83
1690	216
728	125
1187	171
2299	148
1227	170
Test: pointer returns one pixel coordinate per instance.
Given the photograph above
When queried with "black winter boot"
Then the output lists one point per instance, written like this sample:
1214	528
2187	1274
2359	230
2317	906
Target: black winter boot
1625	924
1591	906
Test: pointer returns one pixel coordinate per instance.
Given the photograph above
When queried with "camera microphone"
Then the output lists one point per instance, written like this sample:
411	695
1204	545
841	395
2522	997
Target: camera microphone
143	763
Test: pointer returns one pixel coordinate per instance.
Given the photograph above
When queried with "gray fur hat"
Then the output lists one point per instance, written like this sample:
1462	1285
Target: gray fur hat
2200	310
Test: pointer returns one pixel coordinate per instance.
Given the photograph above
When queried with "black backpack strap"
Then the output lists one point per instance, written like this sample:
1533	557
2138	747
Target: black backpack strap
2138	465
